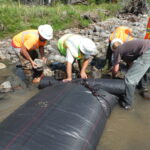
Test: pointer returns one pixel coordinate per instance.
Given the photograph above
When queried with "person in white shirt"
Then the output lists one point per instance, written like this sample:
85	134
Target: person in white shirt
75	46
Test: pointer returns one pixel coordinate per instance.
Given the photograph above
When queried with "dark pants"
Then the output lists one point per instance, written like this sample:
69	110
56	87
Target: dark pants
109	55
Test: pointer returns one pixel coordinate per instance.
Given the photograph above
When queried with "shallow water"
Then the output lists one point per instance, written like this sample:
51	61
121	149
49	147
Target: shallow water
128	130
124	130
10	101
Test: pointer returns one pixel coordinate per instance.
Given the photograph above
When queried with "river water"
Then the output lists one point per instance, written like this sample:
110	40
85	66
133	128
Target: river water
124	130
128	130
10	101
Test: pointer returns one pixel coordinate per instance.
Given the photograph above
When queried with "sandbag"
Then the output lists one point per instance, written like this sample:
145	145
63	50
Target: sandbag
60	117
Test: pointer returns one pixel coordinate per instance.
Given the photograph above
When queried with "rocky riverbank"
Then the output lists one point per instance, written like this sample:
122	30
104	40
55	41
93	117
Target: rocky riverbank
98	32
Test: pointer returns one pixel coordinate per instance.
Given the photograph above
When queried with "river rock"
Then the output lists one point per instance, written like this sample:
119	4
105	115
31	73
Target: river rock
5	87
2	66
2	57
48	72
98	31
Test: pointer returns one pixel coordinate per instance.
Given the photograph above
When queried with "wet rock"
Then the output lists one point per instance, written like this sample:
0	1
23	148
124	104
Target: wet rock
48	72
5	87
39	63
16	82
2	66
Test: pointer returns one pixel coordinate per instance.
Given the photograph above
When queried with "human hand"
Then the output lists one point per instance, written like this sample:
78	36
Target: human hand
34	65
83	75
67	80
44	60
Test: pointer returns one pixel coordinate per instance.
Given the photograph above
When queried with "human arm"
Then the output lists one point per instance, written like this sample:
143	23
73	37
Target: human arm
116	61
25	53
69	72
83	70
41	50
69	59
115	70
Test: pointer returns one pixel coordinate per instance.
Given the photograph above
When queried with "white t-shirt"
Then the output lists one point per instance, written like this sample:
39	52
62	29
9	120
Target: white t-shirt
73	44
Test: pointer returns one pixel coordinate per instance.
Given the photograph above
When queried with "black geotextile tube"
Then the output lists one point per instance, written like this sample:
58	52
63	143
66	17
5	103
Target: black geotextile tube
47	81
103	97
113	86
60	117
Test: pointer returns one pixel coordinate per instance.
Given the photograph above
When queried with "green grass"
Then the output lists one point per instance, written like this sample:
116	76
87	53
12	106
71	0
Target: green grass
16	17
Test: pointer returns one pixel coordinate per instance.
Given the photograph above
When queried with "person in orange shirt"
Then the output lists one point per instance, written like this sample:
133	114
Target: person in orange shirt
147	36
25	45
119	36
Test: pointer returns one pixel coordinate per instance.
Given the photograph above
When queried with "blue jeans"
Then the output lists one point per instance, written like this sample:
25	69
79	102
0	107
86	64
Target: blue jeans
134	75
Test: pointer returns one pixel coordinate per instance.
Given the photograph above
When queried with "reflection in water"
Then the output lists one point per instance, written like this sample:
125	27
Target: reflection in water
125	130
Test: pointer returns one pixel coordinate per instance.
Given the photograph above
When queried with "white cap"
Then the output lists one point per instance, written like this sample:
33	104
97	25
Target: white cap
115	40
88	47
46	31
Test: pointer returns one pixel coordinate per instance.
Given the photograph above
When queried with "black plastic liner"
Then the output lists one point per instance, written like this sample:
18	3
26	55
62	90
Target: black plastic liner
113	86
60	117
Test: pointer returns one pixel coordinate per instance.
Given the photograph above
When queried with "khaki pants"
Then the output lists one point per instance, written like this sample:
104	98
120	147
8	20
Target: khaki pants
29	71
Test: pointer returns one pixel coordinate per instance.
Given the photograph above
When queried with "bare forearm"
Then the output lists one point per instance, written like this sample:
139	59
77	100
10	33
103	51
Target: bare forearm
25	53
115	70
85	64
69	70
